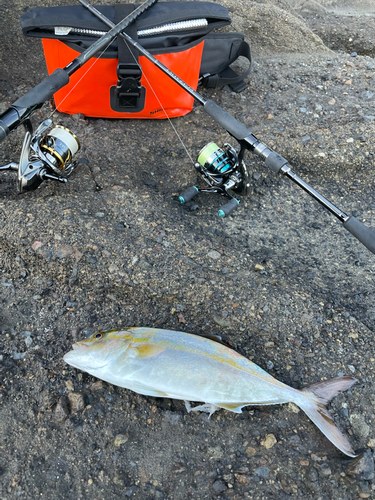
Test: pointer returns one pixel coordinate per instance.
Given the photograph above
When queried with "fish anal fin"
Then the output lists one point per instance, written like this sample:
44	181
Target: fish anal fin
145	351
235	407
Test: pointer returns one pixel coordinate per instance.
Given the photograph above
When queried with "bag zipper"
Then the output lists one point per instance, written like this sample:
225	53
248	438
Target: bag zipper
158	30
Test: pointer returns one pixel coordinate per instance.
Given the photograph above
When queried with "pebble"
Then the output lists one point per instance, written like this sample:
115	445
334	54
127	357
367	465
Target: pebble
121	439
61	412
100	215
263	472
18	356
250	451
269	441
222	321
219	486
69	385
28	341
359	426
77	401
214	255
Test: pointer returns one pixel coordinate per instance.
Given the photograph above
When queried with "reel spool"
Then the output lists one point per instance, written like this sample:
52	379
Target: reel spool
59	146
45	155
223	170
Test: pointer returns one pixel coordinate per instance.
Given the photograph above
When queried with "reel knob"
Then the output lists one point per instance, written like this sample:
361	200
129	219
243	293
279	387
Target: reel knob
228	208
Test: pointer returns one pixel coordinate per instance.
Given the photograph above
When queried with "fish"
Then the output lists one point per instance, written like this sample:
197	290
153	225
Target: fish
178	365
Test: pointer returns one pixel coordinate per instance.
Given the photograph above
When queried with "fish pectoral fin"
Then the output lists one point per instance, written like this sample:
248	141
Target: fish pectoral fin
144	351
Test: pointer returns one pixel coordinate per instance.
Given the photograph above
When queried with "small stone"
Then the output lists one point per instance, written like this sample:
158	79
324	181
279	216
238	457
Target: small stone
270	365
28	341
331	101
97	386
258	267
100	215
69	385
325	470
214	255
257	176
263	472
250	451
222	321
269	441
61	412
121	439
219	486
353	54
242	479
77	401
358	423
348	82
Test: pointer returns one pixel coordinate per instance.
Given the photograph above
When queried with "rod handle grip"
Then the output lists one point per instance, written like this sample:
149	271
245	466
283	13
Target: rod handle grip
226	120
364	234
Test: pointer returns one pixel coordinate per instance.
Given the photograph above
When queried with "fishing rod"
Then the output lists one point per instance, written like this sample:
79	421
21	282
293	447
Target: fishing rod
49	155
223	169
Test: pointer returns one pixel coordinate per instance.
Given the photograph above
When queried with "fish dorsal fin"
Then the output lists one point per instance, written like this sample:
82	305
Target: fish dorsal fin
144	351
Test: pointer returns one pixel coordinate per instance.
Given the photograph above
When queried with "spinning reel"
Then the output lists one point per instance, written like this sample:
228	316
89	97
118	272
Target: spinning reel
45	155
223	170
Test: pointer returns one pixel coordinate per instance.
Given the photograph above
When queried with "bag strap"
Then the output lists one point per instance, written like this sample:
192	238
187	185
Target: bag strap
129	95
228	76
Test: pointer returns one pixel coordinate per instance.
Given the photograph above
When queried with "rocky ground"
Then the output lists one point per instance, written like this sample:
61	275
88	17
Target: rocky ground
280	280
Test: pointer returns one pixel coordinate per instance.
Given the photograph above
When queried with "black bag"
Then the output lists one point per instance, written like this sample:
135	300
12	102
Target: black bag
174	32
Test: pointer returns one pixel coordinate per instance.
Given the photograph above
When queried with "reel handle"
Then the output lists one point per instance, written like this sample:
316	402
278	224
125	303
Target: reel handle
228	208
188	194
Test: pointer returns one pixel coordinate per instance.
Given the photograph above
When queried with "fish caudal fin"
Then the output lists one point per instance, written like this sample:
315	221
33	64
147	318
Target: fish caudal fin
314	405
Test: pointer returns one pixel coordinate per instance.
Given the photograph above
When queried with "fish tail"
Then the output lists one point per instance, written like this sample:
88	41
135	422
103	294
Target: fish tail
314	405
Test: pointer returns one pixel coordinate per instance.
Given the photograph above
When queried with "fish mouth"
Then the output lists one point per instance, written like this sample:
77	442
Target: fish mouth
79	346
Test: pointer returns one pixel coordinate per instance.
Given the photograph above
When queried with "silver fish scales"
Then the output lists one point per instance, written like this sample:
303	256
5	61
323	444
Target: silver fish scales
178	365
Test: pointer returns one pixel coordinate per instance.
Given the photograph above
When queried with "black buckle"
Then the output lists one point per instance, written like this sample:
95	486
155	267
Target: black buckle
128	96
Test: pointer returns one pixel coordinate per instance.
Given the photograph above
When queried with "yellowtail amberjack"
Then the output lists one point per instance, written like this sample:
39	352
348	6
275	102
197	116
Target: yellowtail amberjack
178	365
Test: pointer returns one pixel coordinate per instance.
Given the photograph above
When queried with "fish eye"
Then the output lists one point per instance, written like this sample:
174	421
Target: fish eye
98	336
